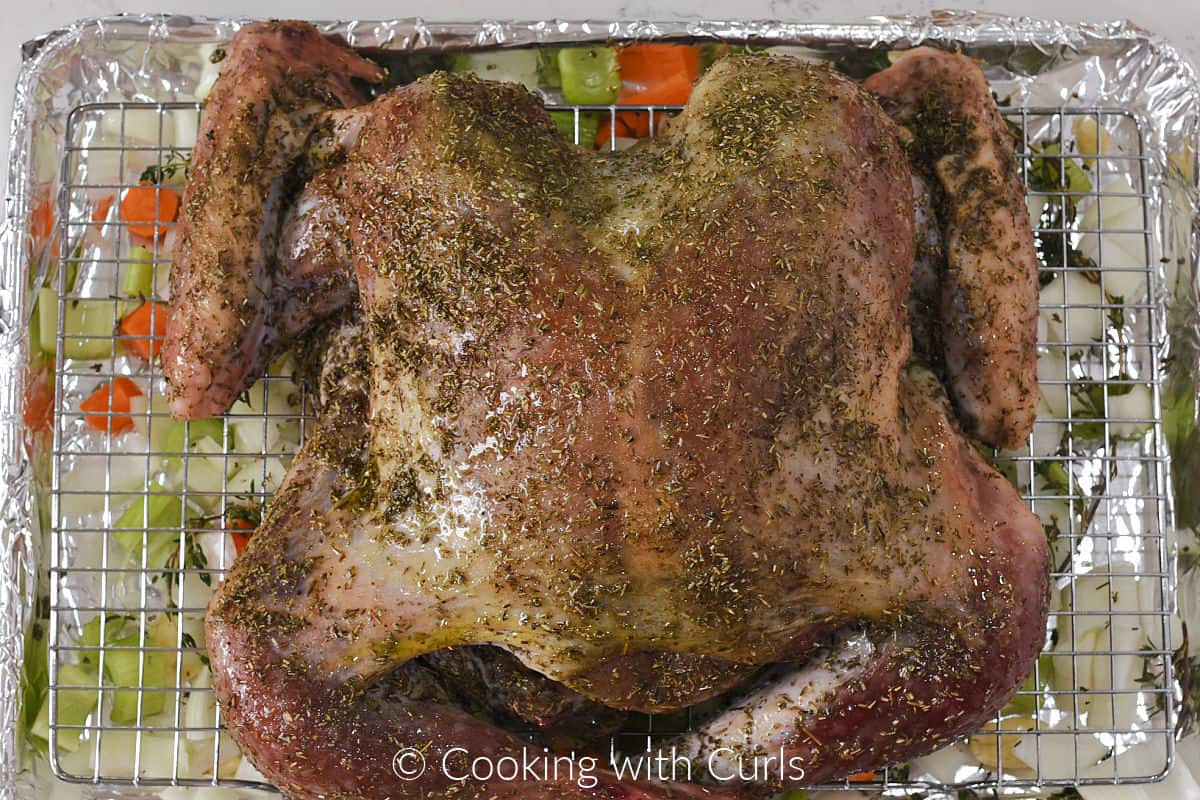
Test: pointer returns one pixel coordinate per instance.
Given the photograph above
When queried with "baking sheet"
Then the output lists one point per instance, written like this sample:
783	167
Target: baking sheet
161	58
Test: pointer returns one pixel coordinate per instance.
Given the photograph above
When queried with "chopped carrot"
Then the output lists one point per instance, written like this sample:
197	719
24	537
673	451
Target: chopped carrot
630	125
41	221
100	212
240	530
627	125
658	74
144	329
148	208
38	409
651	75
862	777
108	406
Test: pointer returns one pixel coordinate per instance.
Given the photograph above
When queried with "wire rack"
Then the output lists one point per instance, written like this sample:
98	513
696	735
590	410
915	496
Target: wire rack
1094	469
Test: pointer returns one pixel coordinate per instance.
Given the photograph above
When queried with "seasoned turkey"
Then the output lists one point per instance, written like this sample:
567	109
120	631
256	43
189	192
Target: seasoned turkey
614	433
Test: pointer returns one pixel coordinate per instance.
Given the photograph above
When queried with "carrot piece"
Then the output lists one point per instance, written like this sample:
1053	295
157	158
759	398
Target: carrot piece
862	777
630	125
38	408
108	406
657	74
627	125
100	212
42	221
240	530
147	208
144	329
651	74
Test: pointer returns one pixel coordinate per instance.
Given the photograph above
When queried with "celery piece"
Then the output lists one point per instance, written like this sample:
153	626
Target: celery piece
161	509
122	666
1076	179
89	637
1027	704
47	320
74	706
589	123
35	323
88	326
174	445
709	53
547	66
194	430
35	675
73	268
590	75
89	329
137	275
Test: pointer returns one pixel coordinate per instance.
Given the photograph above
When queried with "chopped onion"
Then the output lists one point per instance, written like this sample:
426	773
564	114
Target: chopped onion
247	772
990	748
1106	621
141	127
116	754
1131	413
1059	742
951	764
200	707
1052	366
1078	324
1121	255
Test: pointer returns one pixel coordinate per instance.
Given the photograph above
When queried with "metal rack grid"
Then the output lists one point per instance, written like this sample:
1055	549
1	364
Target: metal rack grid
1110	500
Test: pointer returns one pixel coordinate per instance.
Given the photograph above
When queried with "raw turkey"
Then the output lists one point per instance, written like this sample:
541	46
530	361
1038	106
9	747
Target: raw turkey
602	434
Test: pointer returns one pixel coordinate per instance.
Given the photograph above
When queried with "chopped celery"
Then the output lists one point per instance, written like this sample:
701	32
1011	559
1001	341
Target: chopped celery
89	329
74	706
47	320
175	446
88	326
73	268
548	74
158	516
590	75
35	677
137	276
121	666
589	123
89	637
1027	704
1047	171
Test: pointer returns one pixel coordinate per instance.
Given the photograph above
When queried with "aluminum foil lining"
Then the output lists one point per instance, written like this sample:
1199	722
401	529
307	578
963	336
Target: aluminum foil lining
161	58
